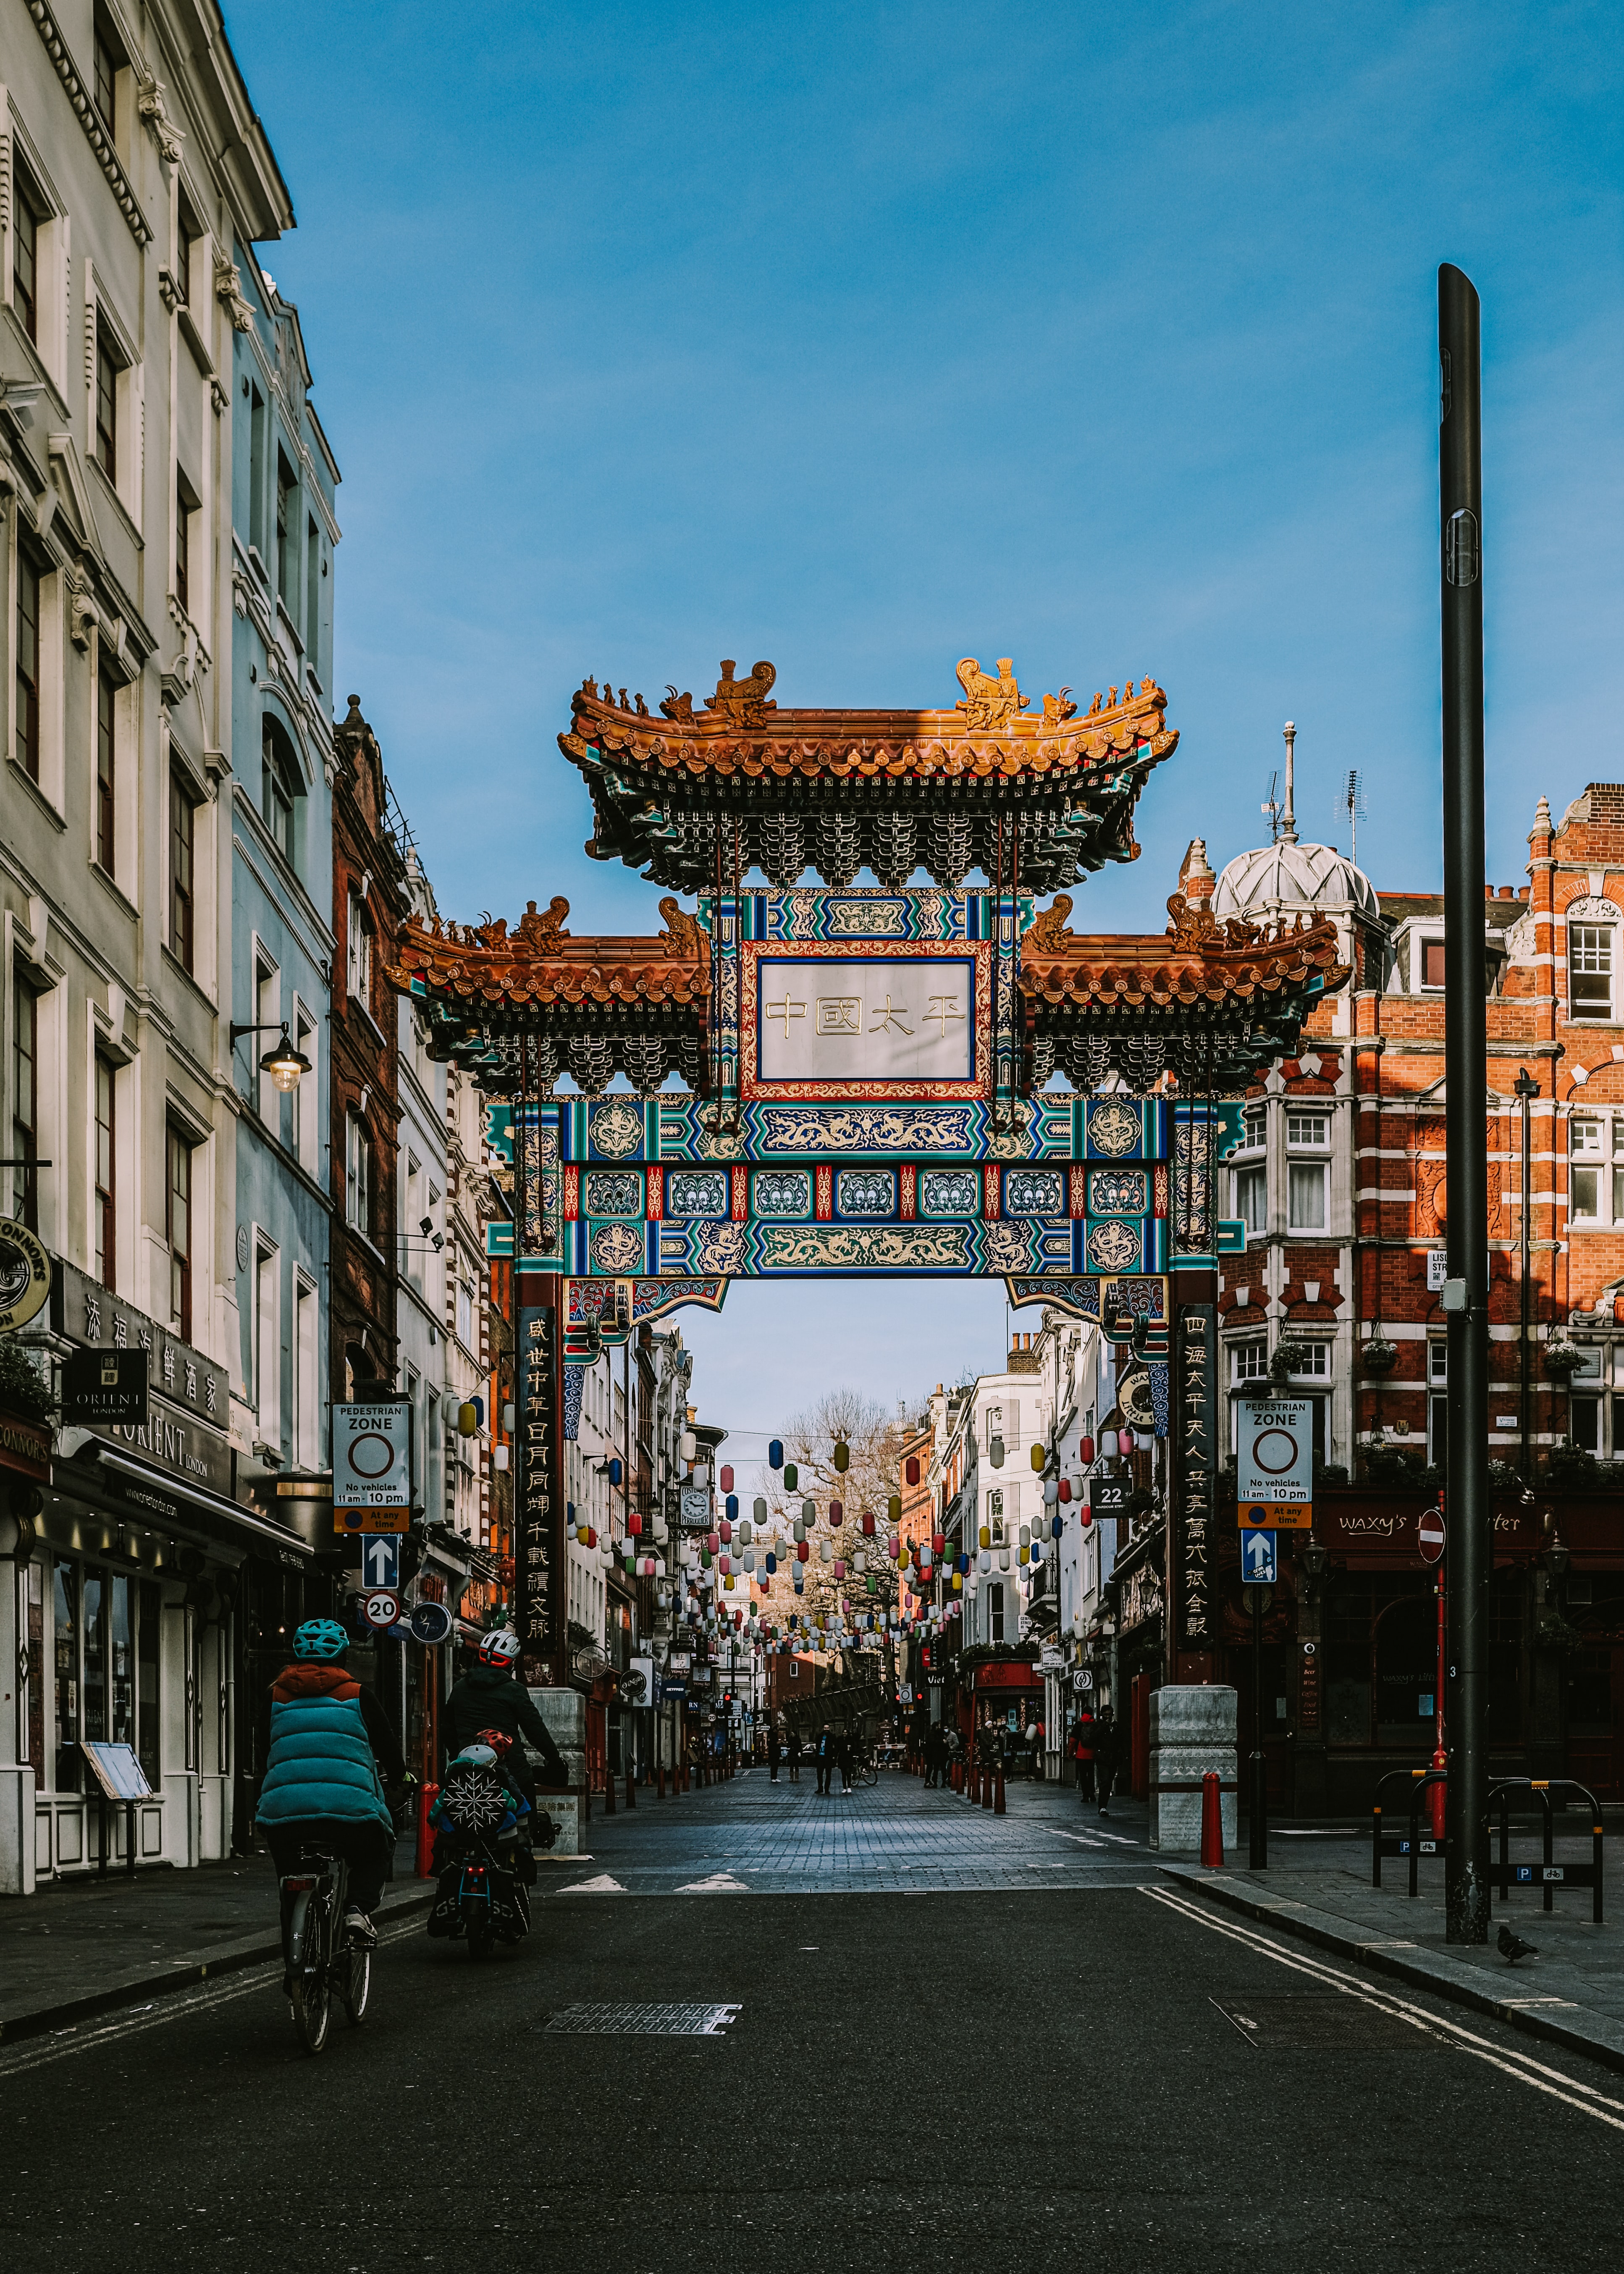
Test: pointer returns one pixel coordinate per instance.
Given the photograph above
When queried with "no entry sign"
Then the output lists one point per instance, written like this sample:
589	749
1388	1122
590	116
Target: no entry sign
1276	1449
1431	1535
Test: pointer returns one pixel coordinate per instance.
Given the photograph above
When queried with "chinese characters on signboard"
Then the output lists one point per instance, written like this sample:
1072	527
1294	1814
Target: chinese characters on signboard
1197	1444
891	1019
538	1505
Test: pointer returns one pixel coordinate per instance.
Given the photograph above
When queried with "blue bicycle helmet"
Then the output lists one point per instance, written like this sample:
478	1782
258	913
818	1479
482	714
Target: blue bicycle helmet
319	1638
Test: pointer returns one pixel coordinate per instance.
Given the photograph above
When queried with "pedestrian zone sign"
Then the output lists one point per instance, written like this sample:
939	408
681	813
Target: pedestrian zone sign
1259	1565
371	1455
1276	1449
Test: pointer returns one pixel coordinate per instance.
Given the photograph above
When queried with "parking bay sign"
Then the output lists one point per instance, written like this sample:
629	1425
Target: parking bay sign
1276	1449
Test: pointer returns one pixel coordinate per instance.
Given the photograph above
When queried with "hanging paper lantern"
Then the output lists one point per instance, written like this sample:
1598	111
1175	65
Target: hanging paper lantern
713	1540
995	1452
839	1568
803	1550
1058	1526
725	1477
893	1508
1051	1491
1107	1445
774	1454
808	1511
1126	1442
1040	1459
837	1511
687	1446
791	1477
938	1542
591	1535
843	1456
910	1470
616	1472
868	1526
1003	1559
1085	1452
958	1583
634	1524
727	1531
771	1563
733	1504
825	1550
1063	1490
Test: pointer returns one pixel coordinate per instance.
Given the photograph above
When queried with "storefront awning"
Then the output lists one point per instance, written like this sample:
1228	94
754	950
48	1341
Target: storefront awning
141	1493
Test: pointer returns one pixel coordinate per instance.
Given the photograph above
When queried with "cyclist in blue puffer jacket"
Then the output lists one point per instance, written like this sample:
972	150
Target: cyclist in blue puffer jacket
327	1749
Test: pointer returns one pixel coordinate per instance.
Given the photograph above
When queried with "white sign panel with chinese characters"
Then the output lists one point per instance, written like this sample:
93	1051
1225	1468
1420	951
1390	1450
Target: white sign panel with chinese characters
896	1019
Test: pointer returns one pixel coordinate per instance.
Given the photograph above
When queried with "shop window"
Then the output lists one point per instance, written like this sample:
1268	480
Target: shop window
69	1768
1407	1672
33	1722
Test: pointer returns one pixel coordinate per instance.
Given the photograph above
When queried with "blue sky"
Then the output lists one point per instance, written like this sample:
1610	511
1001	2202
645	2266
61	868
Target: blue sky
863	337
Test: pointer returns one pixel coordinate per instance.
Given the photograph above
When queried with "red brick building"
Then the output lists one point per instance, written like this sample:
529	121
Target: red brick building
1335	1162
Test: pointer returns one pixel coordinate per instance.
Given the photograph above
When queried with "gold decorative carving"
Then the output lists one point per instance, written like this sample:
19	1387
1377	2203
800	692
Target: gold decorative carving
741	702
1046	933
989	703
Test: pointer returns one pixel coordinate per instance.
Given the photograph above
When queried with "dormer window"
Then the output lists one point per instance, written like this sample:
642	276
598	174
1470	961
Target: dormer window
1430	965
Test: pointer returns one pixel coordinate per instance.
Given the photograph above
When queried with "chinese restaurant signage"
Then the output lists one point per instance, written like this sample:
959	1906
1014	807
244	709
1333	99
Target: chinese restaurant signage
1198	1451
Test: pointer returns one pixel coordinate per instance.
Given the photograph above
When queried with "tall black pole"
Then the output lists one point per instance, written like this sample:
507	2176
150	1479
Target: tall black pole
1460	481
1257	1797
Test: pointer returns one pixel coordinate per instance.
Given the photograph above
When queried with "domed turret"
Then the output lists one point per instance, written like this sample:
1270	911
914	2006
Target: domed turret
1282	879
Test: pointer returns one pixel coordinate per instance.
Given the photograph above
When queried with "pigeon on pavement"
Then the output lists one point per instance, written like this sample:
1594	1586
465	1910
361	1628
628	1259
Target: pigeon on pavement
1512	1946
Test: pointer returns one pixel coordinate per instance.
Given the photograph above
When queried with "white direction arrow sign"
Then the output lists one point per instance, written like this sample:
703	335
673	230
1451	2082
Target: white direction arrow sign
1257	1564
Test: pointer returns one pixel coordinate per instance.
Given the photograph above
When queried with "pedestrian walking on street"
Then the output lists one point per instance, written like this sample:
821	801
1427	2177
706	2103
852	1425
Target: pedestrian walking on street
792	1747
1083	1738
826	1750
935	1753
843	1761
1107	1756
774	1749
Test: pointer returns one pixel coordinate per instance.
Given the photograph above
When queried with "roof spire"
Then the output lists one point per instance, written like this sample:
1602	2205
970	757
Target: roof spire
1288	819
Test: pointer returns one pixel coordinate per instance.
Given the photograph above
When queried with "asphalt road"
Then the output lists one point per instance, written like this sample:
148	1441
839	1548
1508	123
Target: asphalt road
1026	2078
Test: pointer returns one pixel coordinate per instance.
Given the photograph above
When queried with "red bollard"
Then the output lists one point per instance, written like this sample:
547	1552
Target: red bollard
660	1781
426	1796
1212	1823
987	1787
997	1807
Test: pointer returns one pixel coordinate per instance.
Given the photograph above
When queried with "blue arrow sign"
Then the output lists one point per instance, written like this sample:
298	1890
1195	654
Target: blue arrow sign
1258	1561
380	1561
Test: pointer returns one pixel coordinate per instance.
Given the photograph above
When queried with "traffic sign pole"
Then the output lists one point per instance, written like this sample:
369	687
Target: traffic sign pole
1259	1767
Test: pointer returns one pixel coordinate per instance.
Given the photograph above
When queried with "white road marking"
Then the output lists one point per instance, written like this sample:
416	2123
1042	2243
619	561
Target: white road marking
1585	2097
719	1883
603	1885
80	2037
1081	1838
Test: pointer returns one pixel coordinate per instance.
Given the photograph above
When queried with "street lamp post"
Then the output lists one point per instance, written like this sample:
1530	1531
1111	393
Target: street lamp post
1460	473
1526	1088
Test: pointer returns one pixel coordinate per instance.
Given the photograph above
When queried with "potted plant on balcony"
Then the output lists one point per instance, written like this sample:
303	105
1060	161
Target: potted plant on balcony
1290	1357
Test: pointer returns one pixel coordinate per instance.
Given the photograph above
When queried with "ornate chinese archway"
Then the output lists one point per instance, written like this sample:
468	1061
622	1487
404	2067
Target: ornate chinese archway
867	1071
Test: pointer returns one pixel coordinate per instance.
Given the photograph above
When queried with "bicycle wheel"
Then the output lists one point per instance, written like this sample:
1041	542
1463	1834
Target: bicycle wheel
311	1993
357	1982
479	1944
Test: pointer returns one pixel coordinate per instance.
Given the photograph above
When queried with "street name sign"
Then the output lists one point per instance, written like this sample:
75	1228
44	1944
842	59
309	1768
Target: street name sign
1276	1448
1259	1565
1109	1495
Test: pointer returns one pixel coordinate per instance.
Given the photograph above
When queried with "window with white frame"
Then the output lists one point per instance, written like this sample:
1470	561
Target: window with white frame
1252	1196
1254	1127
267	1346
358	952
304	1131
306	1402
465	1313
1426	964
1248	1361
1592	956
994	1517
1438	1361
1586	1146
1595	1400
1308	1132
1311	1362
1305	1203
357	1176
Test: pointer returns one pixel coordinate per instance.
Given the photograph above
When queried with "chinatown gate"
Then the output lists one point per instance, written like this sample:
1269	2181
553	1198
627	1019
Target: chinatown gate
937	1081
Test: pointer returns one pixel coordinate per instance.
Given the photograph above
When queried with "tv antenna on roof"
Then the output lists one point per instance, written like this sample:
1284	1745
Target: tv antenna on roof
1351	801
1273	809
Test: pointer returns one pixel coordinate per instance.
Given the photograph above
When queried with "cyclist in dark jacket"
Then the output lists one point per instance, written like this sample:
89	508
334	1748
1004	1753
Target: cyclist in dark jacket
328	1749
488	1698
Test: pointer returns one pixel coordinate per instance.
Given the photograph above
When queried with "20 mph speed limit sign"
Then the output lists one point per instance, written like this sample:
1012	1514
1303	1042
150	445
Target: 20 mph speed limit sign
382	1608
1276	1448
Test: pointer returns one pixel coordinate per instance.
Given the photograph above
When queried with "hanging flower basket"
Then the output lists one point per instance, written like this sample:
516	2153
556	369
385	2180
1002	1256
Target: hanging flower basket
1562	1359
1379	1356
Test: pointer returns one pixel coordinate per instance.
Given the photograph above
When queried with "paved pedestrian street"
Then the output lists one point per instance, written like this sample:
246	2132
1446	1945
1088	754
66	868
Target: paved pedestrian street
749	1835
1066	2060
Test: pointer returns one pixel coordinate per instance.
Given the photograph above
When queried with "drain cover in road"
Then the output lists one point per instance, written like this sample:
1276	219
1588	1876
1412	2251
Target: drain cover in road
1321	2024
640	2020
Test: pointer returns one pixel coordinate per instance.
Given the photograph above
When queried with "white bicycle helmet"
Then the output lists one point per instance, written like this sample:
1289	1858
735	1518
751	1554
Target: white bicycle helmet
499	1649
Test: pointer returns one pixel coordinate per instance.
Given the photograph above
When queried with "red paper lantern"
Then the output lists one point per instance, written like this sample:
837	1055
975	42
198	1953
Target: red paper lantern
803	1549
713	1540
938	1542
837	1511
726	1475
1085	1452
726	1530
910	1470
634	1524
1065	1487
867	1527
1085	1517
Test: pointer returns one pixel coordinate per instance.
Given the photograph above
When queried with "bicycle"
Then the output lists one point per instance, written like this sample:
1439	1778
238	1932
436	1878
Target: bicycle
864	1768
322	1961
